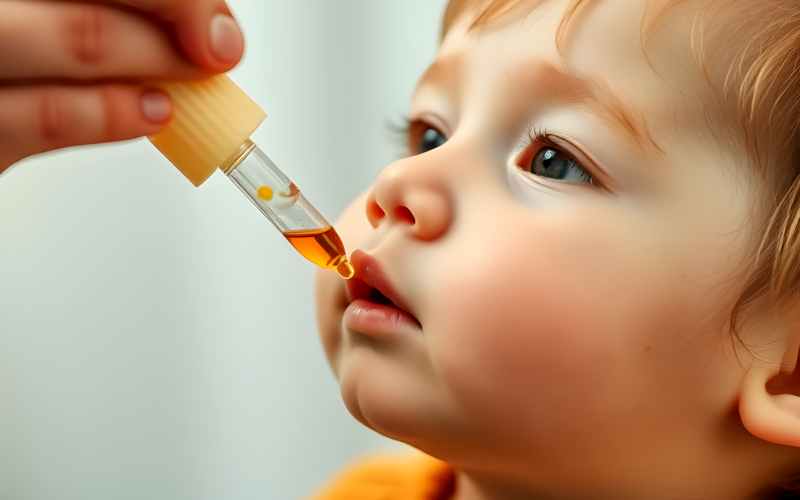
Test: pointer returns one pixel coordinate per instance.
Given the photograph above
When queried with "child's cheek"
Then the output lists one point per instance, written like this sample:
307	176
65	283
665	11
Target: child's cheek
550	324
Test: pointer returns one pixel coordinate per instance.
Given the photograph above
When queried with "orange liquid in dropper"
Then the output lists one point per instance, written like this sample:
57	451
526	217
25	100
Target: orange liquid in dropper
323	247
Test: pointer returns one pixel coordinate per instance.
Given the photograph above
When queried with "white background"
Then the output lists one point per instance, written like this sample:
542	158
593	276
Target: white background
158	341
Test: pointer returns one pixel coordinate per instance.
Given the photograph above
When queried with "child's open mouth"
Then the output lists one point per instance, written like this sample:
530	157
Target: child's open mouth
375	306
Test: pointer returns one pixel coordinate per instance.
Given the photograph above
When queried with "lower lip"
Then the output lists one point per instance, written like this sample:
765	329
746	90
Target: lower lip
378	320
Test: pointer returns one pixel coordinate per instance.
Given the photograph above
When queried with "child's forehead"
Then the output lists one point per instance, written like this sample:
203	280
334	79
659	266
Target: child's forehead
600	64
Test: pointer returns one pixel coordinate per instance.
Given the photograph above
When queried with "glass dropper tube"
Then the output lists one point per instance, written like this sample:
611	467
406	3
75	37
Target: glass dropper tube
213	117
285	206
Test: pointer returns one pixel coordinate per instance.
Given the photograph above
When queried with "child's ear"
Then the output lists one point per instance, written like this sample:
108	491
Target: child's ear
769	401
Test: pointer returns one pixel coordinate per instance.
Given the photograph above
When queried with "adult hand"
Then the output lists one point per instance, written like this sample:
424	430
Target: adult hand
74	73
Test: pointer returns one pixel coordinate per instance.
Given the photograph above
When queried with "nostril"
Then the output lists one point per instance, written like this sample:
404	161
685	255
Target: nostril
376	211
403	213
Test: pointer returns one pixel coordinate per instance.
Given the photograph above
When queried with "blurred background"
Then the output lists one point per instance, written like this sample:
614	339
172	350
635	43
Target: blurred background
158	341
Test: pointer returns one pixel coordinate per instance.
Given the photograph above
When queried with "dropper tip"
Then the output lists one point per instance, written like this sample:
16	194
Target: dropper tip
345	269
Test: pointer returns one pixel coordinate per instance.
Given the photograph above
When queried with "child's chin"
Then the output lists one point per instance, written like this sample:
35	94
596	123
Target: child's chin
388	402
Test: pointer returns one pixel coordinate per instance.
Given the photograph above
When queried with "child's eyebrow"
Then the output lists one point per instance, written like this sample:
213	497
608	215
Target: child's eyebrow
444	73
571	87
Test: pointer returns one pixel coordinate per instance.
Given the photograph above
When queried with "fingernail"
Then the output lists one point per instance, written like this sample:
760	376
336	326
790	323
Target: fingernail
156	106
227	43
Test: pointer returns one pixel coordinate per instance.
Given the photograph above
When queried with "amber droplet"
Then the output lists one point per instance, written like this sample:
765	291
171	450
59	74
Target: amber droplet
345	270
265	193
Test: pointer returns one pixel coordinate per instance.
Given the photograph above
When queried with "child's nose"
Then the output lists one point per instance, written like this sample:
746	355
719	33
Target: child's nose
410	192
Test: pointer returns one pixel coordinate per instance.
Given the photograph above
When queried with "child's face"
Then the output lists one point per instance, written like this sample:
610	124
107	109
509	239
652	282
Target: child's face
571	290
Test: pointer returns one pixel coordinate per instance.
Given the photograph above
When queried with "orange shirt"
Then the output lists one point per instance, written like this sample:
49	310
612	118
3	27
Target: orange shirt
415	477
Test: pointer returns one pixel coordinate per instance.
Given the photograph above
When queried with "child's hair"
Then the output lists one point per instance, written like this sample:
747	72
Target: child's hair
762	81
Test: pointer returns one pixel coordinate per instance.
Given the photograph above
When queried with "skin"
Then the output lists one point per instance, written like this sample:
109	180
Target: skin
74	73
574	340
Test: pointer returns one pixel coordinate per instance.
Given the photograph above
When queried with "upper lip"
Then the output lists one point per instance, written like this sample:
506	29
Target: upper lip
369	273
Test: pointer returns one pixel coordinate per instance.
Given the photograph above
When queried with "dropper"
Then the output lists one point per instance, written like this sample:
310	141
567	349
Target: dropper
210	129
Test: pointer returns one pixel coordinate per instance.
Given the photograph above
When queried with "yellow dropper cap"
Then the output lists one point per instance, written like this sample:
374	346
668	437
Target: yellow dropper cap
211	119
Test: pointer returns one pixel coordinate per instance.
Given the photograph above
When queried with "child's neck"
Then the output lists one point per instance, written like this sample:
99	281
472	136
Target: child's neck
482	487
472	486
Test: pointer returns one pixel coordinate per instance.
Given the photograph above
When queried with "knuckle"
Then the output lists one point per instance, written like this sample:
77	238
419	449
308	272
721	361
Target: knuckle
86	31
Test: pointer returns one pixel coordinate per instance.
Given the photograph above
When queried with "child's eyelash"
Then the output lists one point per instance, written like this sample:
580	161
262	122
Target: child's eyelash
400	132
538	133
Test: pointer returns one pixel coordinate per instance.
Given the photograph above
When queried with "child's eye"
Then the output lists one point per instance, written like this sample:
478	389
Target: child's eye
420	136
546	156
549	163
429	140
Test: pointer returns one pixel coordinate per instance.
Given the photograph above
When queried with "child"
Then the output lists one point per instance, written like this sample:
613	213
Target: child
583	281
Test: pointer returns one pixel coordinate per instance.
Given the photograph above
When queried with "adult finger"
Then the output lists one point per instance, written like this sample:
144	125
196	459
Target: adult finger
84	41
205	30
34	119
